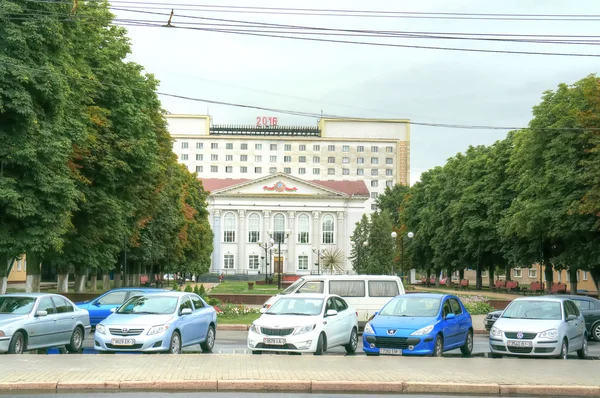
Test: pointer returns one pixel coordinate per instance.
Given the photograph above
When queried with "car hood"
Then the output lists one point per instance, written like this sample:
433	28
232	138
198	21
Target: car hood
137	319
526	325
283	321
7	319
397	322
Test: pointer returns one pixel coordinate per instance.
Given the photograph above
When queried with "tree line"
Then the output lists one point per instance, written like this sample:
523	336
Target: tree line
88	178
531	198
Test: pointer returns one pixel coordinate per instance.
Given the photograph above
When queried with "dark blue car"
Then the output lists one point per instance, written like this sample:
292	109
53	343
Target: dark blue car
99	308
419	324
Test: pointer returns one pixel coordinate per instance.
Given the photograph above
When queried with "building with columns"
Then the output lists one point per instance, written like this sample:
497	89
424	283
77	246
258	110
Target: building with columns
304	185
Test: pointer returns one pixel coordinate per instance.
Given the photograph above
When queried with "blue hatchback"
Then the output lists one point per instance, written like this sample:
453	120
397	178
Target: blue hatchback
99	308
419	324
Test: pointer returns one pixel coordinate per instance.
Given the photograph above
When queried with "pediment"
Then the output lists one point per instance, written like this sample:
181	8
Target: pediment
278	185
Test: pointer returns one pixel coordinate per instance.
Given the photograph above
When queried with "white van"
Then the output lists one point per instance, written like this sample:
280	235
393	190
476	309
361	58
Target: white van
366	293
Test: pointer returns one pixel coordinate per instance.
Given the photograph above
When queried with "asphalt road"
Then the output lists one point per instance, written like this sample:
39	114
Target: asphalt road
234	342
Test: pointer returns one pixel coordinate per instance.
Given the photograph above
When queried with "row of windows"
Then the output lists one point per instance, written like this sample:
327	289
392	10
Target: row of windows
287	159
254	228
301	170
533	273
287	147
255	264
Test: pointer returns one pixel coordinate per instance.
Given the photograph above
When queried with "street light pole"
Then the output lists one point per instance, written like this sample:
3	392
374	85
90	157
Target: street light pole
394	235
266	246
281	236
318	253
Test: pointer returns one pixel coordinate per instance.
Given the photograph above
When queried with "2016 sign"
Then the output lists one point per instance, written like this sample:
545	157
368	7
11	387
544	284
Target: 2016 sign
266	121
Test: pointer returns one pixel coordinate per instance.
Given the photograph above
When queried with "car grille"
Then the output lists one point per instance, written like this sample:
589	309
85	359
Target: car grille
526	336
129	332
124	348
395	342
520	350
277	347
276	332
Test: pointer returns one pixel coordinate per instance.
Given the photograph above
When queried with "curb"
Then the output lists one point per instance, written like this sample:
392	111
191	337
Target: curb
490	389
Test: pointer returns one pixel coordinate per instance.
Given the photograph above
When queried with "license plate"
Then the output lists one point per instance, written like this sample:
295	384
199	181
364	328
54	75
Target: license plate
519	343
123	341
390	351
268	340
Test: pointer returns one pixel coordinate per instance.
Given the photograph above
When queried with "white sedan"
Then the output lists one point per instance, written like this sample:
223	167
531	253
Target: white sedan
305	323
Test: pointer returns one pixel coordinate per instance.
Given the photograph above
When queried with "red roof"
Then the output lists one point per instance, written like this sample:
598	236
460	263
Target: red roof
348	187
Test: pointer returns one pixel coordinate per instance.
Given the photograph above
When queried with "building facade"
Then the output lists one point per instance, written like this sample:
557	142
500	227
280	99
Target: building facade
304	186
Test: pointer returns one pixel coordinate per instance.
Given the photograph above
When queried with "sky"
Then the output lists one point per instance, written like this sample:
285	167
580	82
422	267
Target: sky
432	86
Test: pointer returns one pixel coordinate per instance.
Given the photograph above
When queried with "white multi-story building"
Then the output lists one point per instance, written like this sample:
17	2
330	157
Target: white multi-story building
307	186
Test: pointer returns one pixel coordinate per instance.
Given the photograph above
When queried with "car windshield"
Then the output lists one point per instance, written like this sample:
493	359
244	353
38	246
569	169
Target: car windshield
533	309
296	306
16	305
293	286
412	307
149	305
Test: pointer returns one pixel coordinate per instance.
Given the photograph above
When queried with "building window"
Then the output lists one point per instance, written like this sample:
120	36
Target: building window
199	169
244	147
301	170
199	157
214	145
484	274
374	195
253	228
243	169
288	147
279	228
184	145
517	273
302	148
389	172
360	172
272	170
316	159
258	170
389	149
302	159
229	228
346	160
303	262
287	170
258	158
389	160
214	157
331	148
373	206
316	171
331	159
374	160
229	158
360	148
273	147
331	172
328	229
316	147
19	265
214	169
258	146
374	172
360	160
287	159
346	148
532	273
253	262
229	145
374	149
303	228
244	158
273	159
228	169
585	275
346	172
228	261
374	183
199	145
389	184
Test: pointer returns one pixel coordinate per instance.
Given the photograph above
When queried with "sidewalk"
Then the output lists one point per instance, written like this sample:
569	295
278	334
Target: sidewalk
307	373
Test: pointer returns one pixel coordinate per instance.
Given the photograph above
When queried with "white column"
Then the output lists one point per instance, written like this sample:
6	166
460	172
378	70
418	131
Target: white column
241	241
266	225
292	261
315	237
341	234
216	240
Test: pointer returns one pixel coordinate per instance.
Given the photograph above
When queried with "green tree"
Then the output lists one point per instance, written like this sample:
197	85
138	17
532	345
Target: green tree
359	254
392	200
380	250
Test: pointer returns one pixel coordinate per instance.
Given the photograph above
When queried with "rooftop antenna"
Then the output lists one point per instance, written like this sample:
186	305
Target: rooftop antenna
168	25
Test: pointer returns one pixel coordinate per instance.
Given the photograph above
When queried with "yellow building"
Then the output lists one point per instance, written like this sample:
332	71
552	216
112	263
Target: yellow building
18	273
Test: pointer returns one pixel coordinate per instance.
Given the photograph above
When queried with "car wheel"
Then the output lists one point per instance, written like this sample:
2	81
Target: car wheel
17	344
209	343
564	350
256	352
438	347
76	341
467	348
596	331
353	343
320	345
582	353
175	346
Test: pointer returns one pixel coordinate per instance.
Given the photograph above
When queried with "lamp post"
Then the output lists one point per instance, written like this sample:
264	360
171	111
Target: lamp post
279	237
358	250
318	252
266	246
410	235
394	235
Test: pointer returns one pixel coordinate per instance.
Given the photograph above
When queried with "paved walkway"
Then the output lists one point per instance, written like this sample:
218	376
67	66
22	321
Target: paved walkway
300	373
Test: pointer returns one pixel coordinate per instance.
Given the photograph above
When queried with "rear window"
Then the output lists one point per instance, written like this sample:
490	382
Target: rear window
383	289
347	288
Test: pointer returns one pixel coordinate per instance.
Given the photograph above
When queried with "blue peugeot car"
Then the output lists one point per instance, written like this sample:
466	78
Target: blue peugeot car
419	324
99	308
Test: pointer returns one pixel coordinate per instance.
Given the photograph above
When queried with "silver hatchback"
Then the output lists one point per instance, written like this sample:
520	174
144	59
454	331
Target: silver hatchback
539	326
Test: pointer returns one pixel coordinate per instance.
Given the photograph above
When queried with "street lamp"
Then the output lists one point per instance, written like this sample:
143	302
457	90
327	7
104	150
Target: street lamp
364	244
394	235
279	237
410	235
318	252
266	246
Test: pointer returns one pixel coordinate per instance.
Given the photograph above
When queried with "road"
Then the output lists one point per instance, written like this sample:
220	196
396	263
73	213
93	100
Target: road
234	342
236	395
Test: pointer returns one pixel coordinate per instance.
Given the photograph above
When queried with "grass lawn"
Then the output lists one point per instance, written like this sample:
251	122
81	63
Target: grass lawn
238	319
241	287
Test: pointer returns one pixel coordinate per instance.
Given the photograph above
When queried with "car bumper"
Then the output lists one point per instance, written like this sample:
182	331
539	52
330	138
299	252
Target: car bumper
409	345
305	342
539	347
141	343
4	343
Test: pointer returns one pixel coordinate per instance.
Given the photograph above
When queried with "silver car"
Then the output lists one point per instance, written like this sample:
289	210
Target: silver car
539	326
30	321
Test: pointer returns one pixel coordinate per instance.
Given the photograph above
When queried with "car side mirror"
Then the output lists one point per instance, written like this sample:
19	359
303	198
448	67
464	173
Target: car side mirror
263	310
450	316
41	313
331	313
186	311
96	303
113	310
571	317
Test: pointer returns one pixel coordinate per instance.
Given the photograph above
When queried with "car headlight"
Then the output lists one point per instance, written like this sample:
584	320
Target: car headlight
549	334
368	329
304	329
255	329
100	329
422	331
496	332
157	329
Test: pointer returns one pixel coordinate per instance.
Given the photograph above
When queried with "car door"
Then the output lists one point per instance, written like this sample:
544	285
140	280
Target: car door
462	320
573	326
100	308
580	324
43	329
588	309
186	322
450	329
65	320
347	319
201	319
333	324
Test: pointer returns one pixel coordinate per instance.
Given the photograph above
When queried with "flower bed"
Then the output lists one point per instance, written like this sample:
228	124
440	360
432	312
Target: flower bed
477	305
231	310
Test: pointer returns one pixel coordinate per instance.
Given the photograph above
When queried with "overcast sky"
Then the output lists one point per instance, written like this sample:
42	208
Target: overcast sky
366	81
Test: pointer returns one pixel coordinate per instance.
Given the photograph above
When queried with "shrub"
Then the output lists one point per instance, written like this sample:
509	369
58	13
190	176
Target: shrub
197	291
477	305
213	301
175	286
235	309
202	290
188	289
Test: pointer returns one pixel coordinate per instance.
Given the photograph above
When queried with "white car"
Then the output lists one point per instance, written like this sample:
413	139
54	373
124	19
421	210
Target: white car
305	323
